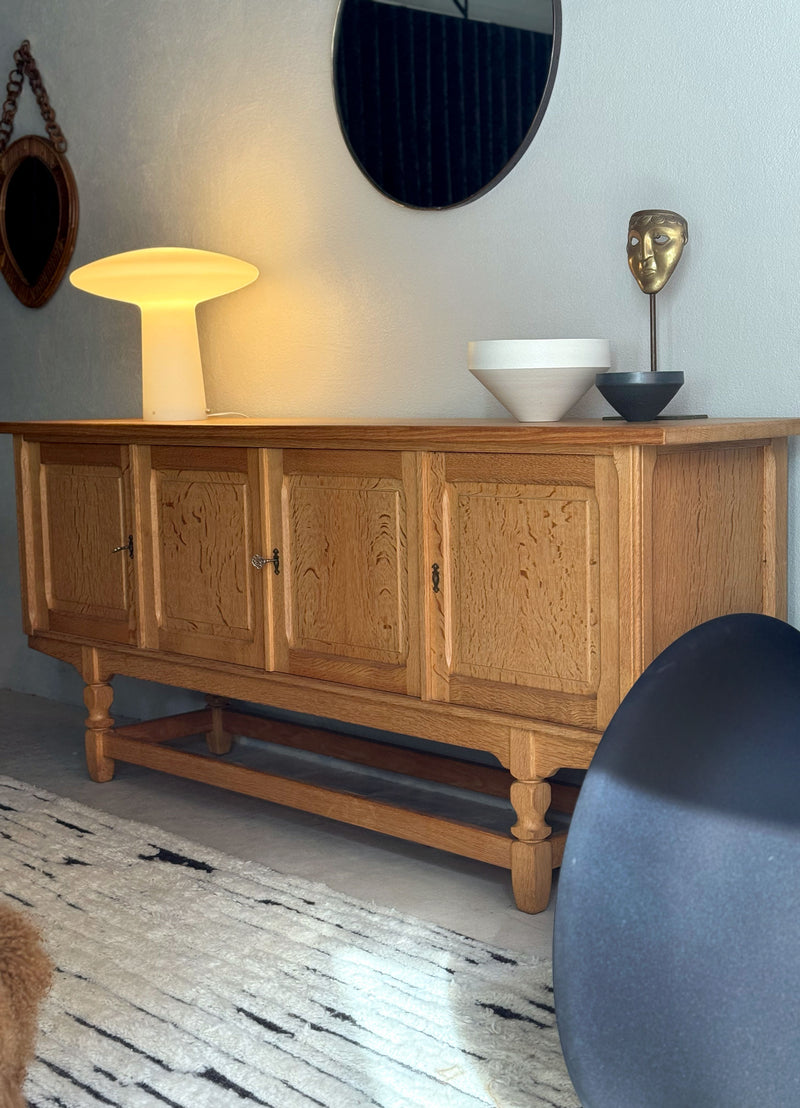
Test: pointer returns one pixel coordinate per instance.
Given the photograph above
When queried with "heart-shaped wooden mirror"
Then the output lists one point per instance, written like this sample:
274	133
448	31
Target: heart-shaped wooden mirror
38	195
38	218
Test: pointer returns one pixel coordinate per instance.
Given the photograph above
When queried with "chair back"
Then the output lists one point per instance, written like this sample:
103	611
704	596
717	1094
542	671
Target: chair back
677	927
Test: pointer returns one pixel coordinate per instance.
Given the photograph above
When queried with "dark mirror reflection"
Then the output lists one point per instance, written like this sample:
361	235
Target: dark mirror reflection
31	217
437	99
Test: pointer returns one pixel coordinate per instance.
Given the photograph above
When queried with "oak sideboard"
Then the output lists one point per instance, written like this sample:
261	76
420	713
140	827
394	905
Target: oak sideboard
487	585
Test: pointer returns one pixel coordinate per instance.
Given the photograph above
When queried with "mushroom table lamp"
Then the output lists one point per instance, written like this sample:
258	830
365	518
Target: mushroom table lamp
167	283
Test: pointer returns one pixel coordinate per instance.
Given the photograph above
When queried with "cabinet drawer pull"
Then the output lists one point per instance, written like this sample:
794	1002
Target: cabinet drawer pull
259	562
128	546
435	576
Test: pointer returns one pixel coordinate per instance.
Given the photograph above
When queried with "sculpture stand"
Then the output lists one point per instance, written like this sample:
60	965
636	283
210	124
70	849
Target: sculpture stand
639	397
653	351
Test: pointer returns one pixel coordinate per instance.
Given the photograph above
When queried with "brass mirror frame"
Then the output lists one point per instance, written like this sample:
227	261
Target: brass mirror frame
512	161
35	146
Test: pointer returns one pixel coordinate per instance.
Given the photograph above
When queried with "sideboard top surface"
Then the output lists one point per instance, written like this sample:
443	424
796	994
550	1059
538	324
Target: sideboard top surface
405	434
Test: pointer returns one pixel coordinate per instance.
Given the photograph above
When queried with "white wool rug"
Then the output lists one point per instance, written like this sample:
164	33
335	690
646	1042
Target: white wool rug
191	979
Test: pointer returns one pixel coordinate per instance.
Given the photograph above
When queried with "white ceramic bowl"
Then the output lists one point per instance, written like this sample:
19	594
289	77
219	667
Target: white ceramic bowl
538	380
539	354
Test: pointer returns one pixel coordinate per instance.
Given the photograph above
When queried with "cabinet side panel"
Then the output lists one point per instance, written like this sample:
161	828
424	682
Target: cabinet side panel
708	537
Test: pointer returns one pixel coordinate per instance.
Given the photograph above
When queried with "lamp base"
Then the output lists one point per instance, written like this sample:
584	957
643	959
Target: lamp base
172	374
171	415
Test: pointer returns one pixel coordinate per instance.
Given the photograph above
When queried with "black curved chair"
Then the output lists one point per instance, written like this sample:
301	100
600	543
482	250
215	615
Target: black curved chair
676	955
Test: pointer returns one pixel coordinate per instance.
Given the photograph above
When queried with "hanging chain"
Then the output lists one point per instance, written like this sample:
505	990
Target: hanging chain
25	66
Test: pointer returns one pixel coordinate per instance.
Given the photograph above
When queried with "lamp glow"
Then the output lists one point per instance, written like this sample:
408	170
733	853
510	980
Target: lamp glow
167	283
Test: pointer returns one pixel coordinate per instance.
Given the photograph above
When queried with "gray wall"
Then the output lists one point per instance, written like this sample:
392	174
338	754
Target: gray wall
211	124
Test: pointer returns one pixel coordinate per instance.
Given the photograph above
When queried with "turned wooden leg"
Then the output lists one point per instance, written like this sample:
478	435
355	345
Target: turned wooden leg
218	740
531	854
97	699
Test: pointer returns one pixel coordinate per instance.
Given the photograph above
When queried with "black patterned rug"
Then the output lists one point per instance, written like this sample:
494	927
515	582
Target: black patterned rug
189	978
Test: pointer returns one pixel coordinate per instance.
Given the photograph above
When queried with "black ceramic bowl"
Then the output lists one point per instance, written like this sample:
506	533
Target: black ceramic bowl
639	396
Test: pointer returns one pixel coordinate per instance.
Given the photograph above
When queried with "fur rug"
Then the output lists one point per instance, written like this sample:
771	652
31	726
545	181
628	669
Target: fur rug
25	977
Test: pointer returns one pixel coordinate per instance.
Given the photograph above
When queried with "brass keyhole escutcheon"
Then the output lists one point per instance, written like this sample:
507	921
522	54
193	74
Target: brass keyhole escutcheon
259	561
126	546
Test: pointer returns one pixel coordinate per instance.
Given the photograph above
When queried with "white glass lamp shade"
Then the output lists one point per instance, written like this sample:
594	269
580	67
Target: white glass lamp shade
167	283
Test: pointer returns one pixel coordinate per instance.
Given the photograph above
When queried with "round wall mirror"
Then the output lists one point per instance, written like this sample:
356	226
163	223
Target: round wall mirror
438	99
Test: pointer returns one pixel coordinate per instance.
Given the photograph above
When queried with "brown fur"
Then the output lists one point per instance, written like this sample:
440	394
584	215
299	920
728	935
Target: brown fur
25	976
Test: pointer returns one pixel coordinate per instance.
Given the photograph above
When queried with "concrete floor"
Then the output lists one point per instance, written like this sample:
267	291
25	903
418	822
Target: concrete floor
41	742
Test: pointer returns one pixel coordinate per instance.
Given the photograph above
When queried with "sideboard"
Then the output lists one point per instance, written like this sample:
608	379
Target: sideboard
487	585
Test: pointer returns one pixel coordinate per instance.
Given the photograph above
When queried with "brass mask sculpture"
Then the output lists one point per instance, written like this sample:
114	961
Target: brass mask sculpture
656	238
655	243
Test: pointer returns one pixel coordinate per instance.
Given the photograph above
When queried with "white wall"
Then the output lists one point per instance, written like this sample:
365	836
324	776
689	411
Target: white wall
211	124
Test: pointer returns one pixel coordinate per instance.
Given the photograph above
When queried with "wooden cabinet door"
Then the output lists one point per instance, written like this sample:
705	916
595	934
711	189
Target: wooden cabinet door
205	521
86	583
348	557
523	616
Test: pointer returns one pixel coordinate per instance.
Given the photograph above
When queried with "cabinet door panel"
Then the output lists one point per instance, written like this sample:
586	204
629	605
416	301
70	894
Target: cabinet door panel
528	616
346	523
205	525
85	517
525	561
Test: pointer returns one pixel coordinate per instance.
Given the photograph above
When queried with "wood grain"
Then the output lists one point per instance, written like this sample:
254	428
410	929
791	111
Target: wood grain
348	521
708	538
348	561
457	838
98	698
85	515
532	874
469	435
445	723
609	603
207	597
566	556
168	728
380	755
29	534
437	617
776	496
526	582
634	471
521	610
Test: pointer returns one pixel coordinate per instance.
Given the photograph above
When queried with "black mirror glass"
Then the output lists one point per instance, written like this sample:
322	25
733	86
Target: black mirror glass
31	217
438	99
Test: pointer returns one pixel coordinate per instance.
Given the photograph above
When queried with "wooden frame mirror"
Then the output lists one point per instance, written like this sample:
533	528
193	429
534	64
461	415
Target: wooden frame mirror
38	194
38	218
